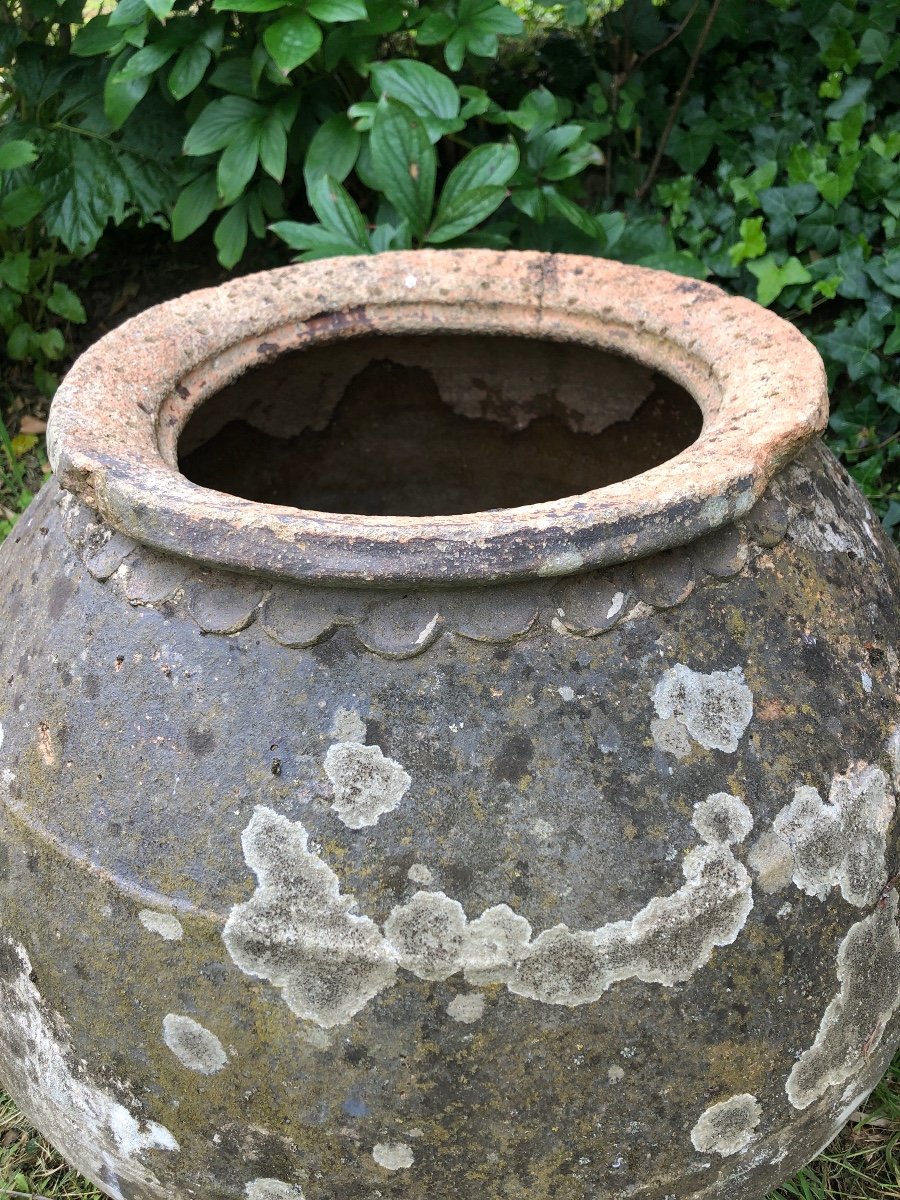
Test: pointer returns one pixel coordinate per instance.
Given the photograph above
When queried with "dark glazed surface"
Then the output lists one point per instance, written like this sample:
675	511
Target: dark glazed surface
149	709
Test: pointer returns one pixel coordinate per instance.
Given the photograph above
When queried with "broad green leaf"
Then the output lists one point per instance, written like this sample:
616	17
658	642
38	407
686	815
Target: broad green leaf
318	241
122	94
189	69
333	150
231	234
492	164
144	62
337	10
436	28
63	301
773	278
97	37
18	345
196	202
127	13
339	212
420	87
17	153
20	206
234	74
292	40
404	162
248	6
273	148
576	215
161	9
463	211
218	124
238	162
15	270
50	342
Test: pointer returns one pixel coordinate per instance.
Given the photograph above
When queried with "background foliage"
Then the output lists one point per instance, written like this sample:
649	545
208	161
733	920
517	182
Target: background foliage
755	143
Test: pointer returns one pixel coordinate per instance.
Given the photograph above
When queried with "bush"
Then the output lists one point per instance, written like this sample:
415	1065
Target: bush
753	144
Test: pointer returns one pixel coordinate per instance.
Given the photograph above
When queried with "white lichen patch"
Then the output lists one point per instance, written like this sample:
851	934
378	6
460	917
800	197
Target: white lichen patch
715	708
771	859
366	783
299	931
427	935
419	873
842	843
666	942
466	1008
193	1045
393	1156
348	726
868	969
722	819
65	1101
671	737
727	1128
168	927
893	747
272	1189
494	944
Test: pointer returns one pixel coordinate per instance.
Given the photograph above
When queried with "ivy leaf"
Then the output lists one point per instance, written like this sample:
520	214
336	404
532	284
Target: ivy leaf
189	69
783	205
218	122
17	153
339	213
194	205
752	243
292	40
404	161
855	345
65	304
773	278
337	10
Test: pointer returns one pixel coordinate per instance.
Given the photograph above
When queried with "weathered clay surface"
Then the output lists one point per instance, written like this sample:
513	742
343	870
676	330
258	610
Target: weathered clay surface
433	982
575	886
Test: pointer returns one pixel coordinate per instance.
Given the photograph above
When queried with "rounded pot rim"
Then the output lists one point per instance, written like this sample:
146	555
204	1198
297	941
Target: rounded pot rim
115	422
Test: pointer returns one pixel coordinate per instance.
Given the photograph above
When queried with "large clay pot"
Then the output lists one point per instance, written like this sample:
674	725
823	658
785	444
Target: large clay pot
542	852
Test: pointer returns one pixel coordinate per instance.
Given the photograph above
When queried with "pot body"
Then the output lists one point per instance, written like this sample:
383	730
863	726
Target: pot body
564	888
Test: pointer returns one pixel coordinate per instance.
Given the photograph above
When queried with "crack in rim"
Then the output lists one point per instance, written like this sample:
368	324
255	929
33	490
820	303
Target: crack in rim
115	423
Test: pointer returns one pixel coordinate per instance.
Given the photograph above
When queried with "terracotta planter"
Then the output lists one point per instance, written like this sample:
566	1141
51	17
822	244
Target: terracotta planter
527	833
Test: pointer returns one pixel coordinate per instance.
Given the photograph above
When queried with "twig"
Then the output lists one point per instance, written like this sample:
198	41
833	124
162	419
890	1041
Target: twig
673	36
676	104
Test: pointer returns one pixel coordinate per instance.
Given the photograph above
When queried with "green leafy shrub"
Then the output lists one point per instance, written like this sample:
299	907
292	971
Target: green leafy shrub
755	144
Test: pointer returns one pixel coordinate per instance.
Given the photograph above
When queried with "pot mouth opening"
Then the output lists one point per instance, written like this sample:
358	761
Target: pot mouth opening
432	425
435	417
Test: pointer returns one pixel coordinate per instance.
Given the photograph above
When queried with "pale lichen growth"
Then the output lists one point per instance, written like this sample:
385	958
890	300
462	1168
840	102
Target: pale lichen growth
65	1102
893	747
842	843
193	1045
868	969
714	708
427	935
168	927
722	819
366	783
299	931
727	1128
393	1156
666	942
466	1008
771	859
348	726
272	1189
494	943
671	737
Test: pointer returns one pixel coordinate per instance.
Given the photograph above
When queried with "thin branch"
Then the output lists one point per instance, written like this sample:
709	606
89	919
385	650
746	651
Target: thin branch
676	104
673	36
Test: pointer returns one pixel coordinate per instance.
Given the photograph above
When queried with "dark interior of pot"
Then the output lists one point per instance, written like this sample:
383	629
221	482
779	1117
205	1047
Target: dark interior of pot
434	425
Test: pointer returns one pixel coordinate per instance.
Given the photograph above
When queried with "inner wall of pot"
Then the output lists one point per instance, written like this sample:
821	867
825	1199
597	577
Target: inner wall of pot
435	425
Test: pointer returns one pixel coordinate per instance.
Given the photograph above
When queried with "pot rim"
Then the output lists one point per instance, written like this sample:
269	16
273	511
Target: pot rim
115	422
